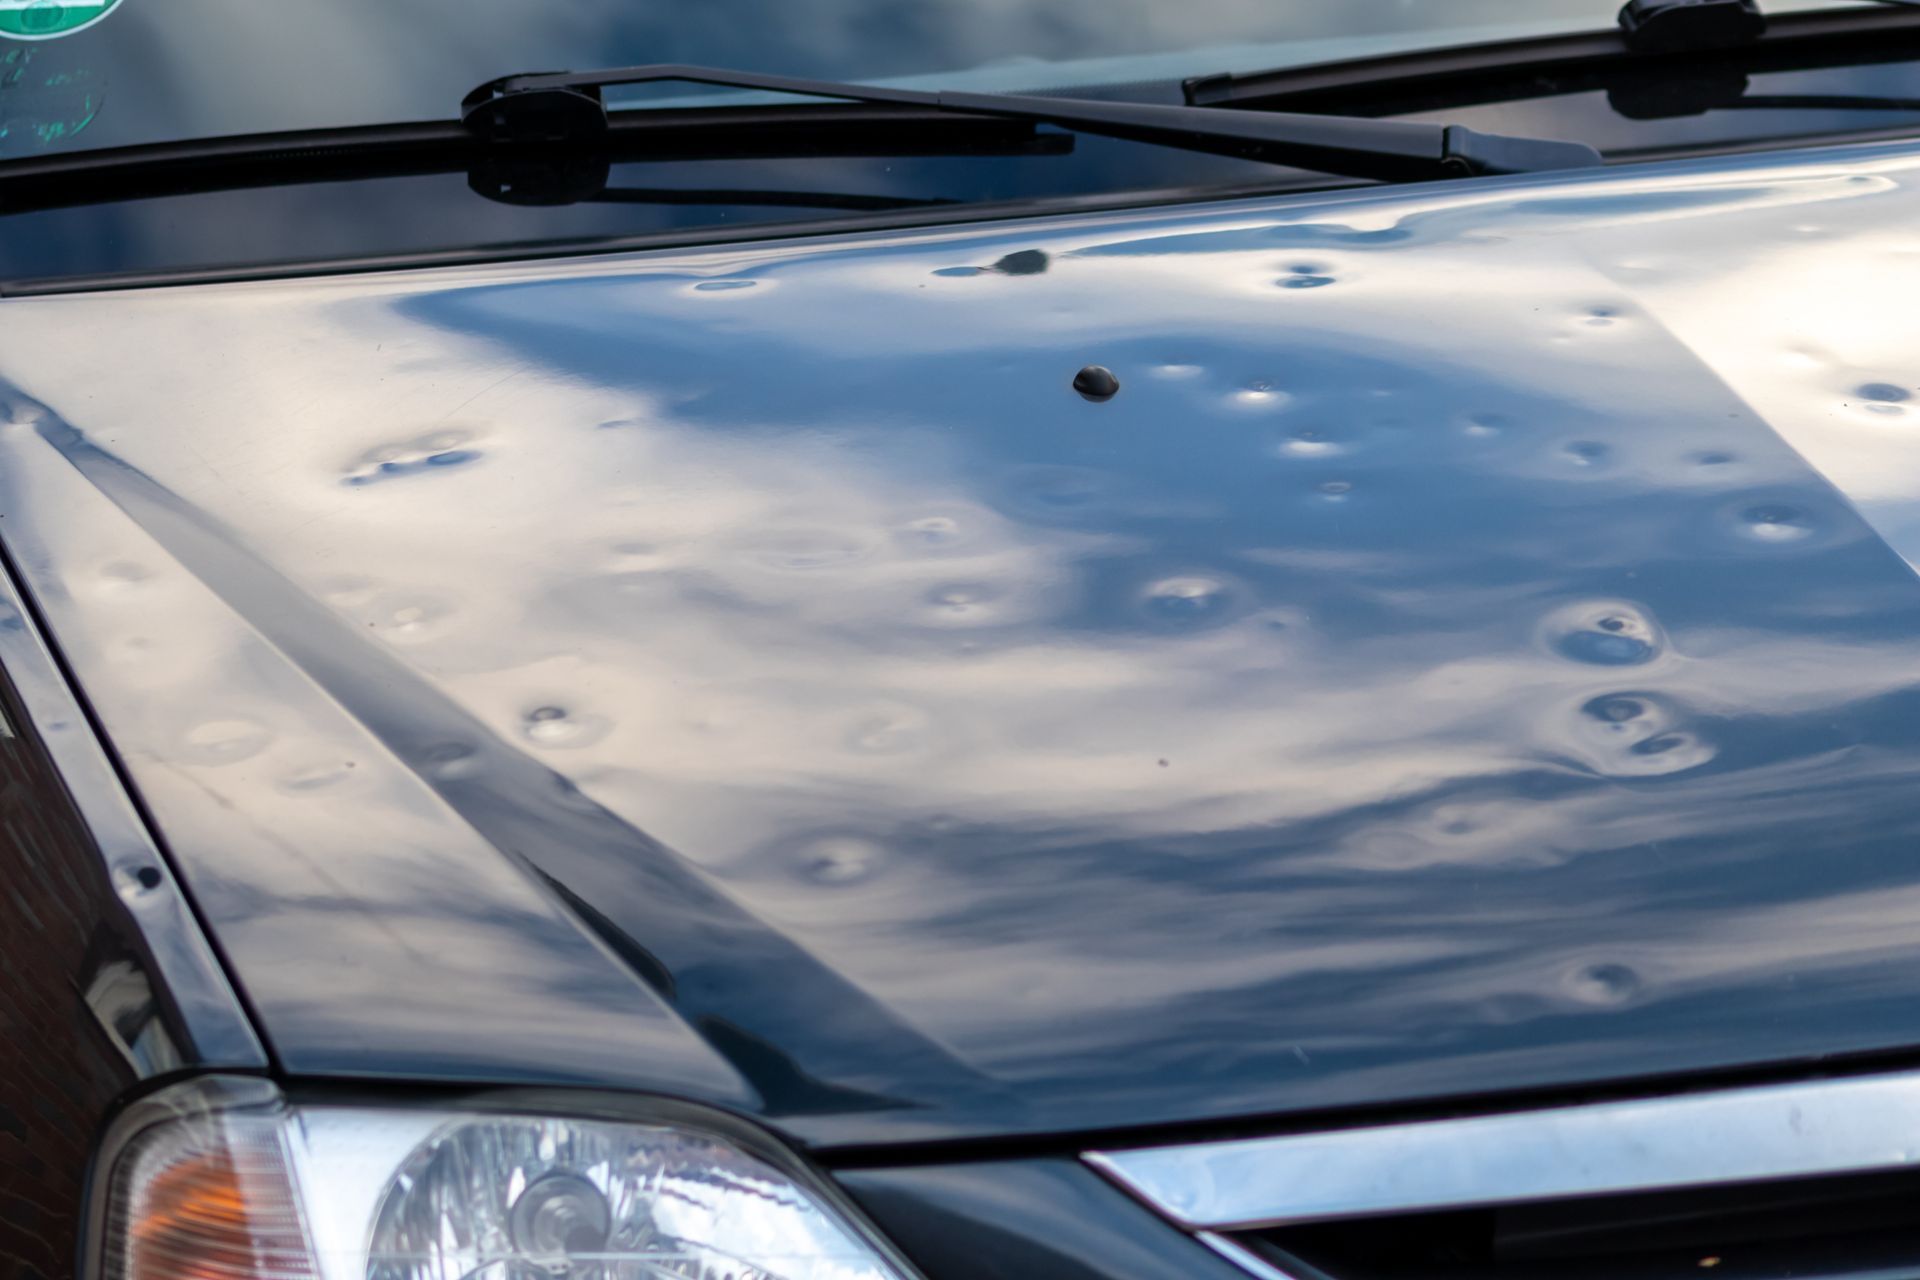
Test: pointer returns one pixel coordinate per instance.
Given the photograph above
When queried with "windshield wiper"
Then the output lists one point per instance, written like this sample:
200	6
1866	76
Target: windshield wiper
1536	66
521	175
852	202
549	140
568	108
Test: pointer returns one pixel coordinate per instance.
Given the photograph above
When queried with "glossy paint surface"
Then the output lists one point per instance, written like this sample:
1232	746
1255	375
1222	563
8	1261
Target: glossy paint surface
1474	650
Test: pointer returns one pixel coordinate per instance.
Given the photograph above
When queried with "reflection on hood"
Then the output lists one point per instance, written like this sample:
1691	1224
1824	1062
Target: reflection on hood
1473	649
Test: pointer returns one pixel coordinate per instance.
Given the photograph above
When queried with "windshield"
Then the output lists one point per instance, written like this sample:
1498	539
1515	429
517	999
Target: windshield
101	73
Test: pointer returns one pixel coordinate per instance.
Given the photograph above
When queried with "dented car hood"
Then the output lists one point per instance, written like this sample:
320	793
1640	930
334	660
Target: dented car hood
1475	649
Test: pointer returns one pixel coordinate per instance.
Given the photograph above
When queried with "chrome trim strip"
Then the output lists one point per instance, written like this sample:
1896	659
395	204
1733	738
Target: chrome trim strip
1739	1135
1240	1256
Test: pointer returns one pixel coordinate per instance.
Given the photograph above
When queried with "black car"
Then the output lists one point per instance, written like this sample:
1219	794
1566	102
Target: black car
969	640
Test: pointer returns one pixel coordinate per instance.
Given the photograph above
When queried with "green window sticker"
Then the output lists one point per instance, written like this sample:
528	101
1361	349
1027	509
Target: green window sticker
50	19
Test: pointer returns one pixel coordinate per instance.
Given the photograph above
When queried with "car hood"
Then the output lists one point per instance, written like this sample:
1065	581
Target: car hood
1475	649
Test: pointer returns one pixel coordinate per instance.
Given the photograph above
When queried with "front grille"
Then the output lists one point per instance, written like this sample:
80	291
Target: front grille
1792	1182
1831	1226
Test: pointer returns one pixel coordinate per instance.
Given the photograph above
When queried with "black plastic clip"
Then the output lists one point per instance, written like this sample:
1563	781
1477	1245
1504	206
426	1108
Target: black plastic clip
1680	26
504	111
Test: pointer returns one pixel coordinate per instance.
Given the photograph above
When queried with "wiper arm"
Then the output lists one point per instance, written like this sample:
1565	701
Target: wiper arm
569	108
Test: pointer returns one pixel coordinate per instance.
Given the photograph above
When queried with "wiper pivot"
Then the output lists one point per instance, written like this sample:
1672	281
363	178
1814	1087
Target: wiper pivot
569	108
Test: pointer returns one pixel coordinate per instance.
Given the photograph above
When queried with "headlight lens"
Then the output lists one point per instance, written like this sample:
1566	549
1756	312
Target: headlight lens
223	1181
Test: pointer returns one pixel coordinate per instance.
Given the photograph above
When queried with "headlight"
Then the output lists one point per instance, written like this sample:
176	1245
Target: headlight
223	1180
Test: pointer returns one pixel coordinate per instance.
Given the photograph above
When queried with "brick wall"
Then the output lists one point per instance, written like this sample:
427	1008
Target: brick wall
59	1069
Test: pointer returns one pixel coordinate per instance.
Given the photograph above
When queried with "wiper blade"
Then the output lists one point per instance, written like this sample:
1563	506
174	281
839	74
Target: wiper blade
1526	69
570	108
515	175
853	202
